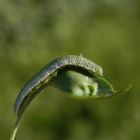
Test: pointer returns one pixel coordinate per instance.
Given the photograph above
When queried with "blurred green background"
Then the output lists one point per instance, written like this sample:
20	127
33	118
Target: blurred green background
33	32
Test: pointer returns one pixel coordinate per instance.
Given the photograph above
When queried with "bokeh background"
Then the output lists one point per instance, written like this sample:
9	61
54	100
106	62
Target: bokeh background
33	32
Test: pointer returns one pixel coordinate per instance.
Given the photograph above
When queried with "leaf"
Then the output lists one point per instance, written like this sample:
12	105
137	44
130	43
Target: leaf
78	76
80	86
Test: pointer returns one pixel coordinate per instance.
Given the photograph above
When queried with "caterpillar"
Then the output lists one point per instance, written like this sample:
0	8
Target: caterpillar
71	62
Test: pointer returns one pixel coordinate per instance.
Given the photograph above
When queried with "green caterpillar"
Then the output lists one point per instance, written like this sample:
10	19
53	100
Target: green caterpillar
59	65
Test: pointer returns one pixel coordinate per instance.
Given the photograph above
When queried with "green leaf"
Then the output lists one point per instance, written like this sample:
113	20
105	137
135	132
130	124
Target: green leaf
81	86
78	76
